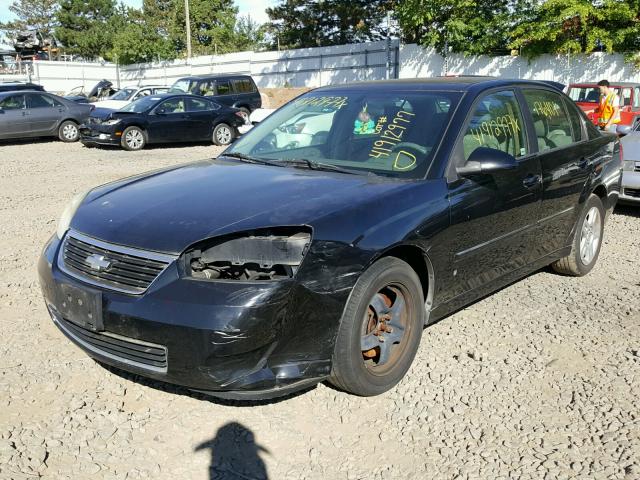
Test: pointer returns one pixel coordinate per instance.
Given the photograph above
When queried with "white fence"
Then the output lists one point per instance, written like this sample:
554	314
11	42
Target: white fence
315	67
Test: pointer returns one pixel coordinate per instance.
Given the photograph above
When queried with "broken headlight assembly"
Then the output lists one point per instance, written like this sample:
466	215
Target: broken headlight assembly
274	254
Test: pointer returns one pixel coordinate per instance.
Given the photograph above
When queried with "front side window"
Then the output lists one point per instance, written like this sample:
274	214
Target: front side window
123	95
392	133
224	87
142	93
550	120
496	122
141	105
173	105
206	88
14	102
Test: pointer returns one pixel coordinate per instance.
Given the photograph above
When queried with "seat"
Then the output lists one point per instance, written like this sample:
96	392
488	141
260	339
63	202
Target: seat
540	126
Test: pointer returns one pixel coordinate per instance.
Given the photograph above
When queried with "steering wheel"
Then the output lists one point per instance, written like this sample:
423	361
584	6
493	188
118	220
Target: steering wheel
405	155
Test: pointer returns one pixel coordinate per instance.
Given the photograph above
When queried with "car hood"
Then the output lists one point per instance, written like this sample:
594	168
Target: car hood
168	210
113	104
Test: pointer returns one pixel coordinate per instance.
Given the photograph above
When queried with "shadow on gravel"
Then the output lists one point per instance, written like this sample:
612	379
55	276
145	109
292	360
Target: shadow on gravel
31	140
627	210
235	454
178	390
154	146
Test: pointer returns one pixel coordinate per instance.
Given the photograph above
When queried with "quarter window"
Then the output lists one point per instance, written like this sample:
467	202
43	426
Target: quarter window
496	123
550	120
576	121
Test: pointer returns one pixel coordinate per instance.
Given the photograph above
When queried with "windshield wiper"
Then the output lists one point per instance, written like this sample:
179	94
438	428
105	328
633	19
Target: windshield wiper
249	159
315	165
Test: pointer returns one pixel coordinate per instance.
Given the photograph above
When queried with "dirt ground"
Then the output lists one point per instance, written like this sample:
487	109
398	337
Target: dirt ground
276	97
540	380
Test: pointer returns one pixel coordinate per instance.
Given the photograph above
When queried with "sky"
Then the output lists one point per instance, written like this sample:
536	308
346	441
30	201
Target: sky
255	8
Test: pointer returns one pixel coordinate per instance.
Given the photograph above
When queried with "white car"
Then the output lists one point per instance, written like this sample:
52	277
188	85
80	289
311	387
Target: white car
126	95
256	117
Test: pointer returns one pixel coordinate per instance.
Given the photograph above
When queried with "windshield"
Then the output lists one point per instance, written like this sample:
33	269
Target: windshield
391	133
141	105
124	94
185	86
587	94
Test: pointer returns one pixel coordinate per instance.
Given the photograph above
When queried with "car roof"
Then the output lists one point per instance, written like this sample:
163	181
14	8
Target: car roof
221	75
458	83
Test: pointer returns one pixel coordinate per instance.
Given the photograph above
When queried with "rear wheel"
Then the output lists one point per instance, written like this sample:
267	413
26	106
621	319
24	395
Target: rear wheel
380	329
68	131
133	139
223	134
587	240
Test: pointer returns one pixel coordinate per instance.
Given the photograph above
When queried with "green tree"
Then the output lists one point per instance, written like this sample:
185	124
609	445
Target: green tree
579	26
304	23
212	24
84	27
250	35
136	41
464	26
31	14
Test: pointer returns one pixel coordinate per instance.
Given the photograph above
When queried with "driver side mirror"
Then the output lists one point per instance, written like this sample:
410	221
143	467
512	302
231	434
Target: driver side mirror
485	160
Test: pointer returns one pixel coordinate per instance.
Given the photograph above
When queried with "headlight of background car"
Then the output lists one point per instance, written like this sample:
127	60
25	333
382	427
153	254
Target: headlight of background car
68	213
267	255
114	121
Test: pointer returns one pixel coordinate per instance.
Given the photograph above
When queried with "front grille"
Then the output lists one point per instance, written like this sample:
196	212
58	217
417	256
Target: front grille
632	192
112	266
144	355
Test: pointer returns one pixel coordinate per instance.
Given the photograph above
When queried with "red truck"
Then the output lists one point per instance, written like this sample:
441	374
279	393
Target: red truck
587	97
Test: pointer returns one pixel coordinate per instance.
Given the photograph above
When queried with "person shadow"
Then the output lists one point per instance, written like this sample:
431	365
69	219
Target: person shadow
235	454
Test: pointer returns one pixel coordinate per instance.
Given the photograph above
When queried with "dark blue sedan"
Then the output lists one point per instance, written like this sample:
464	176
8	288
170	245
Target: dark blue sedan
167	118
322	242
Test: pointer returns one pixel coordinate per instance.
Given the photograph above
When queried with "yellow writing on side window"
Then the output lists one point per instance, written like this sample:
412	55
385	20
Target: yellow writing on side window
546	109
328	102
505	125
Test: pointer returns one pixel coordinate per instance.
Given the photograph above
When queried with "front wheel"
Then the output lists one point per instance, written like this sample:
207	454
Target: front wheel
380	329
587	240
222	134
68	131
133	139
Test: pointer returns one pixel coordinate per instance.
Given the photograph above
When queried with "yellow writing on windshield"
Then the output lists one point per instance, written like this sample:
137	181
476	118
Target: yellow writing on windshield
391	135
324	102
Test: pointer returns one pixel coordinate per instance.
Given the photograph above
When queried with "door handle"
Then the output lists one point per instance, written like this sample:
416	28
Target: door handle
531	181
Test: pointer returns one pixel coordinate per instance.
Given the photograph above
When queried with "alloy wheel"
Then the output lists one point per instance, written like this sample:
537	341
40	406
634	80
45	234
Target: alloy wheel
590	236
223	135
134	139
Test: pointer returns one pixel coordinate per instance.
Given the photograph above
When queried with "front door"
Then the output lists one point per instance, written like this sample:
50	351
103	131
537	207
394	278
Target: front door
14	121
168	122
493	216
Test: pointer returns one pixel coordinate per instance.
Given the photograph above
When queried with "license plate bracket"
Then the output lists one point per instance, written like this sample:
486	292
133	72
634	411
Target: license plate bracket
81	306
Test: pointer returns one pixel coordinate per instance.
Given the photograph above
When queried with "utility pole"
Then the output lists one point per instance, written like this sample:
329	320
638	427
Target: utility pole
388	44
188	25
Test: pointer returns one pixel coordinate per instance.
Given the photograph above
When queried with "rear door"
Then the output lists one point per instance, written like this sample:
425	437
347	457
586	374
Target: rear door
200	114
493	216
14	121
565	156
44	113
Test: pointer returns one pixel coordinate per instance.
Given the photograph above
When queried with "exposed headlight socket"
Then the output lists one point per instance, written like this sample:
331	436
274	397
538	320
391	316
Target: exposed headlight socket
274	254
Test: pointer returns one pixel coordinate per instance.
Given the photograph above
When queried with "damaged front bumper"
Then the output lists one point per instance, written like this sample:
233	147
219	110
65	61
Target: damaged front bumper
243	340
98	135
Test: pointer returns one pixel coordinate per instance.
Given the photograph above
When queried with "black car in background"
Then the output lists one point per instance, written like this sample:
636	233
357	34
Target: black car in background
165	118
321	243
27	113
15	86
239	91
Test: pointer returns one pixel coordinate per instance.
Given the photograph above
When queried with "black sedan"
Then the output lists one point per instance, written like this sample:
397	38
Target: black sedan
323	241
165	118
25	114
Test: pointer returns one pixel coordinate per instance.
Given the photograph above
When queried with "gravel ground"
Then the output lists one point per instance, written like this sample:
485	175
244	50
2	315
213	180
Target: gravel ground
540	380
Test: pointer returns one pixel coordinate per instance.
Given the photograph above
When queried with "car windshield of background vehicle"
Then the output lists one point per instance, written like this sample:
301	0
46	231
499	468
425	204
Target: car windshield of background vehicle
392	133
587	94
185	86
124	94
141	105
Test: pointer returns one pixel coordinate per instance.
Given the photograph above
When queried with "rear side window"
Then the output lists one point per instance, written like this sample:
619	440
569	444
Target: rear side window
14	102
243	85
496	123
223	87
201	105
550	120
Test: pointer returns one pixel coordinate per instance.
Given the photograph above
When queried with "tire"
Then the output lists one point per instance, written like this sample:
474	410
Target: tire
358	363
68	131
223	134
586	242
133	139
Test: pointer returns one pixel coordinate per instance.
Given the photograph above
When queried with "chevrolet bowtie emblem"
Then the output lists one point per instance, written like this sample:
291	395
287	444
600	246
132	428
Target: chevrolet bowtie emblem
97	262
